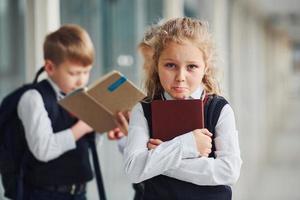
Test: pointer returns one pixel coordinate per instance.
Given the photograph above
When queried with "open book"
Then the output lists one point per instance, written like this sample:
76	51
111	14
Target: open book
98	103
171	118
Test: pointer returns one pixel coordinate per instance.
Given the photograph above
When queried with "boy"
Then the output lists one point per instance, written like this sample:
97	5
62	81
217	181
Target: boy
58	166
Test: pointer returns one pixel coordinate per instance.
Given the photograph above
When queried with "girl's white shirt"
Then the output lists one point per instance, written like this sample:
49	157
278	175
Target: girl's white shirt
179	157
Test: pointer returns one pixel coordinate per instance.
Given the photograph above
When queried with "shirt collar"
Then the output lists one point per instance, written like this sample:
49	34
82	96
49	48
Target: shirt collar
195	95
56	89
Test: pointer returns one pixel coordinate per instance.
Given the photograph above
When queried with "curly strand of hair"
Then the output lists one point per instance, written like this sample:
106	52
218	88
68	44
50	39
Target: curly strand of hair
179	30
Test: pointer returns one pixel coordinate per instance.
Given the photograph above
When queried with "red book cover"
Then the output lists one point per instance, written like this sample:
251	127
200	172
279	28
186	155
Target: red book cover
171	118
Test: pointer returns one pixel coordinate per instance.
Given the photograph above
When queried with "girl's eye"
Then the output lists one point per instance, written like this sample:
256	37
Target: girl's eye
170	65
192	67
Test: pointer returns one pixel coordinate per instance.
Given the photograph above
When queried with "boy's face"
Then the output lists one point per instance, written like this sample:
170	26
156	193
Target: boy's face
181	69
68	75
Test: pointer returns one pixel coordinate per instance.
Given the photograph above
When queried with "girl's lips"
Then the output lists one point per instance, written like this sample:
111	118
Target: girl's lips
179	89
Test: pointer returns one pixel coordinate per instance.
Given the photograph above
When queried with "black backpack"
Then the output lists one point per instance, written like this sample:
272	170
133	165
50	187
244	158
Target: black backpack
13	146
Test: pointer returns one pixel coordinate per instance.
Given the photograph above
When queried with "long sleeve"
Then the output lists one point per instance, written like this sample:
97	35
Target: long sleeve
179	157
42	142
225	168
141	163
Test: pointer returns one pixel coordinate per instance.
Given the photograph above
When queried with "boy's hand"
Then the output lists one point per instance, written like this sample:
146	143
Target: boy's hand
153	143
122	121
80	129
203	141
115	134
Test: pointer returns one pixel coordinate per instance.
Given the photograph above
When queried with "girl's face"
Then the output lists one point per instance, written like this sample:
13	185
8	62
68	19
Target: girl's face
181	69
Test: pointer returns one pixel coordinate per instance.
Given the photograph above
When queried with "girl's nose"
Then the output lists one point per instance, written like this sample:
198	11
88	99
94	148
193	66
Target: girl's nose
180	76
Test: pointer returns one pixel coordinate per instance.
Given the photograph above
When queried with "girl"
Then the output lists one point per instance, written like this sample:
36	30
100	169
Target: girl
201	164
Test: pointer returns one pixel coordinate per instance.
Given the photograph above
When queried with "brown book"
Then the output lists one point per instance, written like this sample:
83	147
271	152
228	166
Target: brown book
98	103
171	118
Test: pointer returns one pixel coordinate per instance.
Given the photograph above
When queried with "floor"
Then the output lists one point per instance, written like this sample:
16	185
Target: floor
280	176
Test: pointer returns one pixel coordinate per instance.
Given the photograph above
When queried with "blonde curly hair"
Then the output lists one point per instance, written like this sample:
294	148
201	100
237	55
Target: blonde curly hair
178	30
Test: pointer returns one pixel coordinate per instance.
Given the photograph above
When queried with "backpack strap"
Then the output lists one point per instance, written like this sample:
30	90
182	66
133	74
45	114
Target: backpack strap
37	75
212	110
148	115
97	168
139	188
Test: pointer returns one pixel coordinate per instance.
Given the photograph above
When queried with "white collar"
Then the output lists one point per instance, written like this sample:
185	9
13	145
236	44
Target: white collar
56	89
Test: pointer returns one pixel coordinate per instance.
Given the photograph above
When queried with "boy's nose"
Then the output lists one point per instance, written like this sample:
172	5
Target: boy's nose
79	82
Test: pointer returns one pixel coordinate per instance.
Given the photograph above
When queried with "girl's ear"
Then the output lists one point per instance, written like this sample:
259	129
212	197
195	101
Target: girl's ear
205	69
49	67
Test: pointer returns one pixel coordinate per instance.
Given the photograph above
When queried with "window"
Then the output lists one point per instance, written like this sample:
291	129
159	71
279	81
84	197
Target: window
12	58
116	27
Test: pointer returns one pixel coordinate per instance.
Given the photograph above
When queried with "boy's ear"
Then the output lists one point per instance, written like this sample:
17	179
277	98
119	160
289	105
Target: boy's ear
49	67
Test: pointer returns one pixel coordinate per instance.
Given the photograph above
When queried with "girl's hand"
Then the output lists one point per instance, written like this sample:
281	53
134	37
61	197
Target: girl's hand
203	141
153	143
122	121
115	134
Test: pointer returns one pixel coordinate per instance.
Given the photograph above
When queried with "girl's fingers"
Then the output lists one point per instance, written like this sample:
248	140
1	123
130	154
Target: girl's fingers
110	135
155	141
151	146
119	134
122	122
122	119
206	132
127	114
114	134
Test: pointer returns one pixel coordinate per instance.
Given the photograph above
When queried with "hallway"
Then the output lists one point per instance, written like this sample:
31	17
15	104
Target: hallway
280	175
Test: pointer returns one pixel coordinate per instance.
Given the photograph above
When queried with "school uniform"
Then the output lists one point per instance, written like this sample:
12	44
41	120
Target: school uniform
58	167
175	169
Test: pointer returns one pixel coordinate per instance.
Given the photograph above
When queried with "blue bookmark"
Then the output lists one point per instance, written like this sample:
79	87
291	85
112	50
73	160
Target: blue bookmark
116	84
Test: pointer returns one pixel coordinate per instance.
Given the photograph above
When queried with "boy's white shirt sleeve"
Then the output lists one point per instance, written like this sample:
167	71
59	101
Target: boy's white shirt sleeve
179	157
141	163
225	168
42	142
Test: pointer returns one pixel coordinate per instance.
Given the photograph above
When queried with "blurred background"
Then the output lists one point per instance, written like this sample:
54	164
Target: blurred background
258	43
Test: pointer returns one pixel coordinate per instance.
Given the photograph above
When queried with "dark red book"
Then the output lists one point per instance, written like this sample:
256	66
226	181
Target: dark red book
171	118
